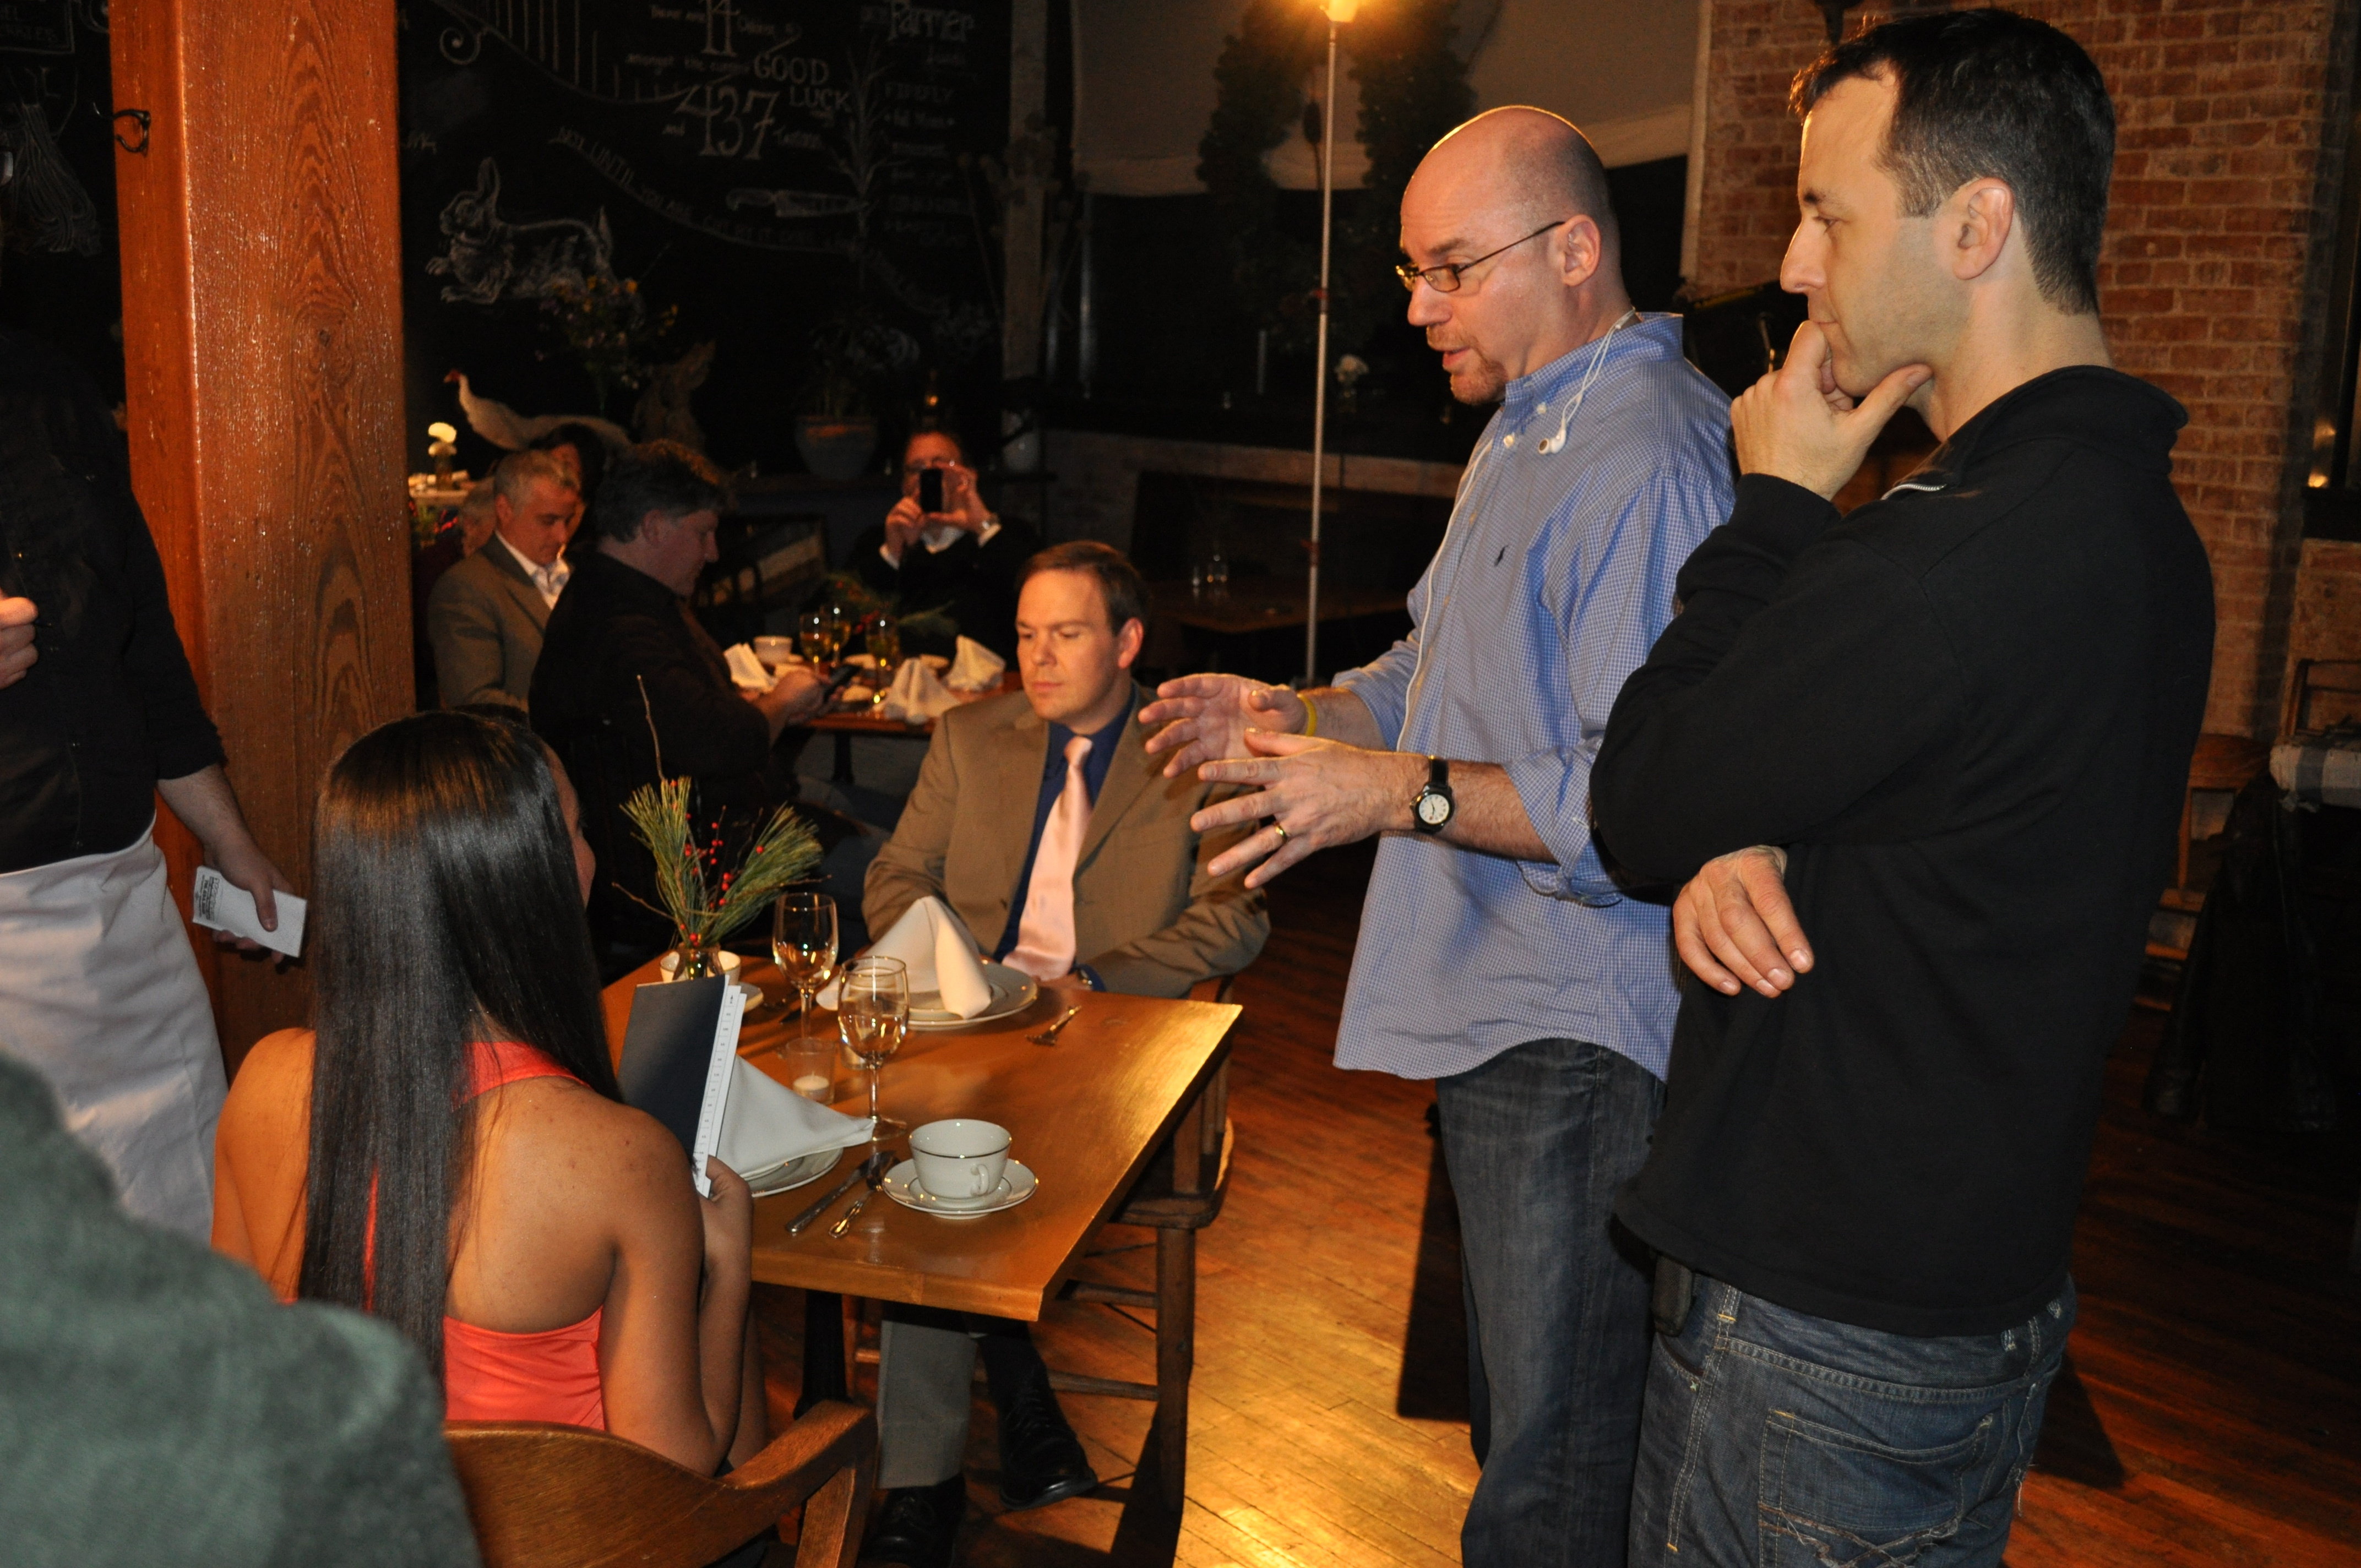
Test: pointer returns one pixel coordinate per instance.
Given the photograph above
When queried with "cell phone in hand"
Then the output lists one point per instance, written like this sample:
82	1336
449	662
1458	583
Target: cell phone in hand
843	676
930	489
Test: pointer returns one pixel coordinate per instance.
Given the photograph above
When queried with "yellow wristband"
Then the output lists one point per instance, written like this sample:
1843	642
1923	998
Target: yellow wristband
1311	717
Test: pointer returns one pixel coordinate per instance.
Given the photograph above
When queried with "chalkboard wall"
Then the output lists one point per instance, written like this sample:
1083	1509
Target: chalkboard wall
759	170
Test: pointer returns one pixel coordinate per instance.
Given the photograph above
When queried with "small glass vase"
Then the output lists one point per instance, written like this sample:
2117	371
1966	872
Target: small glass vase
698	960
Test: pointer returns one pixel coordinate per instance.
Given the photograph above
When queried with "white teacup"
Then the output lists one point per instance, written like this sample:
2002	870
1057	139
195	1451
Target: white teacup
774	651
960	1160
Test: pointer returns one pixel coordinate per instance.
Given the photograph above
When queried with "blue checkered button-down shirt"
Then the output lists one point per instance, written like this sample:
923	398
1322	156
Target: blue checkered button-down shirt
1555	578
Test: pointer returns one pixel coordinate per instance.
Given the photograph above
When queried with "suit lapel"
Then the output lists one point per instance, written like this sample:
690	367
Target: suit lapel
1127	774
1012	784
518	580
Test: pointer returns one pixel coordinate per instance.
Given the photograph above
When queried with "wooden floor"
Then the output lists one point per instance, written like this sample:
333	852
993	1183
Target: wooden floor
2213	1415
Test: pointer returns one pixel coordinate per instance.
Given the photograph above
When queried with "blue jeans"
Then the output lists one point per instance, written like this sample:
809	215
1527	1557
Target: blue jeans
1779	1439
1539	1140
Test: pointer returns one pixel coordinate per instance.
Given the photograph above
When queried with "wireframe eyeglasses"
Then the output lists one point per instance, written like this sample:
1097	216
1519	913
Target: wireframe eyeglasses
1445	279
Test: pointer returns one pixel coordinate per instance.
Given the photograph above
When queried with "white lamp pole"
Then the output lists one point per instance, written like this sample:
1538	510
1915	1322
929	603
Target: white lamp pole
1339	12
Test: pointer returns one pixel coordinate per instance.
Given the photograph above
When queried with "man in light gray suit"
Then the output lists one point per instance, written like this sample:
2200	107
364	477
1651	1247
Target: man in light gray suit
486	615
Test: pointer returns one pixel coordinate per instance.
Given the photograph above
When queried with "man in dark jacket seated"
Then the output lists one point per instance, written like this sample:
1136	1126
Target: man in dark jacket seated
630	687
962	560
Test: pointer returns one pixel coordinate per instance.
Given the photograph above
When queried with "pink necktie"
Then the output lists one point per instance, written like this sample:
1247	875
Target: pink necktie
1044	941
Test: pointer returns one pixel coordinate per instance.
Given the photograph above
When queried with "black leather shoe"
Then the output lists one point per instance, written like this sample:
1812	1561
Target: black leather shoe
919	1526
1041	1460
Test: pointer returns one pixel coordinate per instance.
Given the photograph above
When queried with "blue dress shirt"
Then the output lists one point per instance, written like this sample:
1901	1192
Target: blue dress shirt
1551	583
1053	785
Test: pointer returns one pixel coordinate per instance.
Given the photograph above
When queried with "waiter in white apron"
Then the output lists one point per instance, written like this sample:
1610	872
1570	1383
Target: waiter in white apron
99	713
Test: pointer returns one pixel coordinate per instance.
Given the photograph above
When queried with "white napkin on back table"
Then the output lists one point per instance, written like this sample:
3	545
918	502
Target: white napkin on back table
765	1123
977	668
917	694
946	975
746	670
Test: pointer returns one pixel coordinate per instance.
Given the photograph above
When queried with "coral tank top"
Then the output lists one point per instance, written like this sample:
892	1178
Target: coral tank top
552	1375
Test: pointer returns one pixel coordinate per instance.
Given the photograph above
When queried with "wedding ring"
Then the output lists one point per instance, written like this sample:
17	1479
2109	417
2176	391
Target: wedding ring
1280	828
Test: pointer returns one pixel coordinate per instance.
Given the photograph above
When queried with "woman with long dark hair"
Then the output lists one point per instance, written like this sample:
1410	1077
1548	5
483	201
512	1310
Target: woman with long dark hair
446	1147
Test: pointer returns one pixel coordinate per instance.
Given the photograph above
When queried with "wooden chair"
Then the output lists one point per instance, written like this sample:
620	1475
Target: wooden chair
2339	680
542	1495
1179	1194
2226	763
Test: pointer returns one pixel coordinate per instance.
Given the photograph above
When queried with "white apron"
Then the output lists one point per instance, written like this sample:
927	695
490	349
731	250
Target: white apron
99	990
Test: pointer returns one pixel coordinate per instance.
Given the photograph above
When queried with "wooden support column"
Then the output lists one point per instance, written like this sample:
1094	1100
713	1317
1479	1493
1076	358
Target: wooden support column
1032	155
262	346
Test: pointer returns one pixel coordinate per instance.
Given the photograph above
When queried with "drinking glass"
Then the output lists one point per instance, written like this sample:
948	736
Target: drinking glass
816	630
872	1009
802	944
886	644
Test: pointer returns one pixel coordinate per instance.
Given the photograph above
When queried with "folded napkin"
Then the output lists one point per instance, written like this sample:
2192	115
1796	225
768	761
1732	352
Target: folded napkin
746	670
766	1124
855	693
917	694
977	668
946	975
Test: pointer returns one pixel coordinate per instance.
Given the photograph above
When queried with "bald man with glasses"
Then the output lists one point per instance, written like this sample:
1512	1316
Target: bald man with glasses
1498	956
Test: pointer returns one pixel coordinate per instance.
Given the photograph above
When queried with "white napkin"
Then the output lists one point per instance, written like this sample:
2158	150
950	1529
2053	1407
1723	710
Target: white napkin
746	670
946	975
917	694
766	1124
977	668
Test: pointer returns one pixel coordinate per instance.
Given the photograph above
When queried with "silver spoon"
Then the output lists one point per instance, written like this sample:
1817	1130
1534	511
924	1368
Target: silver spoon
1048	1037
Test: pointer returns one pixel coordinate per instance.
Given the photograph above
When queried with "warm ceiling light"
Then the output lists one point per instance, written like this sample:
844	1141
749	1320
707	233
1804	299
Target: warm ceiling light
1341	11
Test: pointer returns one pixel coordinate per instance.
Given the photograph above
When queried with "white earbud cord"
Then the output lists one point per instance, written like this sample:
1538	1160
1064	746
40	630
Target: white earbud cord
1468	482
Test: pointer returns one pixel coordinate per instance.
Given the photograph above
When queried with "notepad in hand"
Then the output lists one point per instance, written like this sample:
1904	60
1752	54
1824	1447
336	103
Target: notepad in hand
677	1052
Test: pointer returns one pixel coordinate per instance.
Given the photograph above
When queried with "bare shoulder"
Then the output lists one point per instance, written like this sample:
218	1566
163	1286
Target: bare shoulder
597	1148
275	1077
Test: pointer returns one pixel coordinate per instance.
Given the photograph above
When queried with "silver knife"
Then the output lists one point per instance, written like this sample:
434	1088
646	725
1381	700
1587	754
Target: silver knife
797	1225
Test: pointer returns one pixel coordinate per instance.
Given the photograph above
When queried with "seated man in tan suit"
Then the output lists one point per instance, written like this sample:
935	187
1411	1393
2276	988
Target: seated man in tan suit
1042	820
486	615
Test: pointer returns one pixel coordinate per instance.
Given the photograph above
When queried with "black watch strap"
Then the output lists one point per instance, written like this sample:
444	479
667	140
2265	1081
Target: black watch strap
1431	809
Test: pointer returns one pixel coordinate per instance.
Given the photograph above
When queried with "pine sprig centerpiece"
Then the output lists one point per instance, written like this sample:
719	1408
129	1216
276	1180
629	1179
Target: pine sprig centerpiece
703	901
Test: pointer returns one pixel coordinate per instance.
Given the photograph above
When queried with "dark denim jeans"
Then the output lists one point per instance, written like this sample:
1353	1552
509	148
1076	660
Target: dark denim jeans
1779	1439
1539	1140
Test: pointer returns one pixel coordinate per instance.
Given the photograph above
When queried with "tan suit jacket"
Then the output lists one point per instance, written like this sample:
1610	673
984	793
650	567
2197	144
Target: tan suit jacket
485	620
1147	918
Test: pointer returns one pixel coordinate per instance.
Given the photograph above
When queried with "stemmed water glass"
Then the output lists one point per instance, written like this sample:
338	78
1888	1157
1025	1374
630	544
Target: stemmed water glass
872	1009
802	944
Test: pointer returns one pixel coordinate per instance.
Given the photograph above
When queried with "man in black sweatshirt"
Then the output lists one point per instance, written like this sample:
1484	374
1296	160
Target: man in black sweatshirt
1929	756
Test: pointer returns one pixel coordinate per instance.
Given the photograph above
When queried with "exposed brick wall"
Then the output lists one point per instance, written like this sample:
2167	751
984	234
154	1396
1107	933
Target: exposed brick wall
2214	272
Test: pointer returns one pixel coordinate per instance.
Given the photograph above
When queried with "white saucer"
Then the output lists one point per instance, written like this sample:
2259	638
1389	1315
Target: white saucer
901	1185
800	1171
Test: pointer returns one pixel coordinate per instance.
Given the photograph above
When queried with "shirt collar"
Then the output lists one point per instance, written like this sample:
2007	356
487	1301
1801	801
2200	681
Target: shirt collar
555	573
1100	741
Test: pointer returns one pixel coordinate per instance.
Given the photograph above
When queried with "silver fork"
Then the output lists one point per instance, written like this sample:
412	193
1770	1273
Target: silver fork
1048	1037
874	1170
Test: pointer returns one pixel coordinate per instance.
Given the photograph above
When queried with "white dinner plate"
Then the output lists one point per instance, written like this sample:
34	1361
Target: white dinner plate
800	1171
1016	1184
1013	991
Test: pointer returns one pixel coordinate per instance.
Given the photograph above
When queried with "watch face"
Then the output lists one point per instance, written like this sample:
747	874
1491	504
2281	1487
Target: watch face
1434	810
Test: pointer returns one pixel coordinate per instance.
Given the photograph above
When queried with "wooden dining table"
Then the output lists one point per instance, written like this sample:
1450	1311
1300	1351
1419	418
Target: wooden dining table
1127	1079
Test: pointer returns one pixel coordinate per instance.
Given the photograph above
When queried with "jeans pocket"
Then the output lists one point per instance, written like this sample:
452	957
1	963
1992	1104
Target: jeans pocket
1827	1499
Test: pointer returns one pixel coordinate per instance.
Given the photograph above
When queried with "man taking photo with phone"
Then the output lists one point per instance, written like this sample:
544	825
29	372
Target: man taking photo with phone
942	549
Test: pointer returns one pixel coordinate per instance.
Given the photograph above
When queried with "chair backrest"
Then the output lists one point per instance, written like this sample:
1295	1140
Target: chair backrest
542	1495
2337	680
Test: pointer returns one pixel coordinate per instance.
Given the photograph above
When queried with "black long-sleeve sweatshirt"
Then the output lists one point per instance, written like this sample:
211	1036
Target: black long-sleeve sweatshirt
1967	711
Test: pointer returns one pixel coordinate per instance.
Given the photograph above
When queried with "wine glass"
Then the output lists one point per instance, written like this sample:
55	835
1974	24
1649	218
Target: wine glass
802	944
872	1009
816	630
884	640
